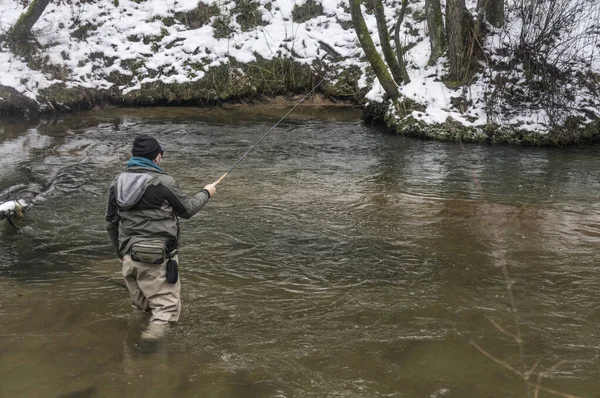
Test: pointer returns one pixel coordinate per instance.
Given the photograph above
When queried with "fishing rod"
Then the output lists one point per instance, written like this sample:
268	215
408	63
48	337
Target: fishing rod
267	133
279	121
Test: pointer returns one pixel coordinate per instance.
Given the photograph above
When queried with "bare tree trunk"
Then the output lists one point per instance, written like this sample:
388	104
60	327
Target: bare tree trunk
386	47
494	11
379	67
435	24
457	38
399	52
22	28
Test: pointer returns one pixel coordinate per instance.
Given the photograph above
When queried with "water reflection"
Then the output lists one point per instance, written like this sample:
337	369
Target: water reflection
336	260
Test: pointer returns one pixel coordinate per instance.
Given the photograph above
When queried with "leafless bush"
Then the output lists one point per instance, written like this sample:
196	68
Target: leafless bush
557	40
559	33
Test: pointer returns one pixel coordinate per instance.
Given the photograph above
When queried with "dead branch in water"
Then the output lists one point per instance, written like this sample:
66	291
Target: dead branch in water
524	373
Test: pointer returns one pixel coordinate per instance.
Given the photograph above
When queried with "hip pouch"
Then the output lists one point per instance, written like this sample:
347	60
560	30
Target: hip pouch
150	251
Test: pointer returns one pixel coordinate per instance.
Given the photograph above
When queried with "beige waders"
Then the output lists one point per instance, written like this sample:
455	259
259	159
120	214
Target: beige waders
149	289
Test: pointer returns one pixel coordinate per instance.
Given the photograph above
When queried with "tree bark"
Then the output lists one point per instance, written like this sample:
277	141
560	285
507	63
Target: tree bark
399	52
435	24
22	28
379	67
386	47
494	11
457	38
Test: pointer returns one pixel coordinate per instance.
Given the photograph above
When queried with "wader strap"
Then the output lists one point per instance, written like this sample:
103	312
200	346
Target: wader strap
171	254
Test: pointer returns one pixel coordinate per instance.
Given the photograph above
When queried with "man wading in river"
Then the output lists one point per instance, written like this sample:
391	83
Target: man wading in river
144	204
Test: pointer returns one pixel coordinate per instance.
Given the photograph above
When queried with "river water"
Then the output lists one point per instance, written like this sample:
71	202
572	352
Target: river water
336	260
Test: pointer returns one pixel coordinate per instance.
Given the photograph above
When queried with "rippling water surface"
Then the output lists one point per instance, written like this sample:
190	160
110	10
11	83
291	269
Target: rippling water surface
335	261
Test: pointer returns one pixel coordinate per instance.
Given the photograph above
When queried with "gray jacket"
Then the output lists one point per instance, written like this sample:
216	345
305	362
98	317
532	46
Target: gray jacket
144	204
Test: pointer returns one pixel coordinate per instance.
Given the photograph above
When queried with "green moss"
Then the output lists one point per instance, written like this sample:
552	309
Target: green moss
377	64
221	27
247	14
413	31
107	61
154	39
419	15
196	66
344	84
42	63
272	77
575	131
83	31
119	78
449	131
406	106
519	137
453	130
133	64
452	84
591	130
174	42
310	9
199	16
167	21
60	98
345	24
230	82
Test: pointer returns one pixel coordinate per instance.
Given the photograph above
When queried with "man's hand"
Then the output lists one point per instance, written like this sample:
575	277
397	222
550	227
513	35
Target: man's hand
211	188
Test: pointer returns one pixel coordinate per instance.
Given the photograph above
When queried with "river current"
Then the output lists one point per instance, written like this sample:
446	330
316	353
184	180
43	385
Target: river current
337	260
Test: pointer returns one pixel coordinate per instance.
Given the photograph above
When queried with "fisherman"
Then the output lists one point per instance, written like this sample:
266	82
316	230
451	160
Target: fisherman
12	212
144	204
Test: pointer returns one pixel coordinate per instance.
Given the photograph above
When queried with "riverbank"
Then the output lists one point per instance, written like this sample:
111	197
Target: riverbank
288	82
143	53
62	100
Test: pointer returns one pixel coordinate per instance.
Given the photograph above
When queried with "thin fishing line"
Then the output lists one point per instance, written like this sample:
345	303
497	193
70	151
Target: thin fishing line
283	117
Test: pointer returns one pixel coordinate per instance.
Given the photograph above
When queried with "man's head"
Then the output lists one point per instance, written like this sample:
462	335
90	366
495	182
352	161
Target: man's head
147	147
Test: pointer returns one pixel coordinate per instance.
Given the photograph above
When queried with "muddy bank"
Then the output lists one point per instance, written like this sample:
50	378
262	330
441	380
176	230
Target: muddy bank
62	100
235	83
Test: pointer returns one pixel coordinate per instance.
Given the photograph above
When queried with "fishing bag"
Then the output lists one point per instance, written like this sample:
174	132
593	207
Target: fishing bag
149	251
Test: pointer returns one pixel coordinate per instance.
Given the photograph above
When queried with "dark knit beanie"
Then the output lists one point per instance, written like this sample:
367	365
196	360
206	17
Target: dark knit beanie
145	146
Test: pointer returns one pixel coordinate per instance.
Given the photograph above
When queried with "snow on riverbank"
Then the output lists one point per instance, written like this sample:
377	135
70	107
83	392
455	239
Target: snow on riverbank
146	41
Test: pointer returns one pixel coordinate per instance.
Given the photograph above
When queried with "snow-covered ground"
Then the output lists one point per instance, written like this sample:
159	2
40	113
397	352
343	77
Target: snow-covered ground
174	53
